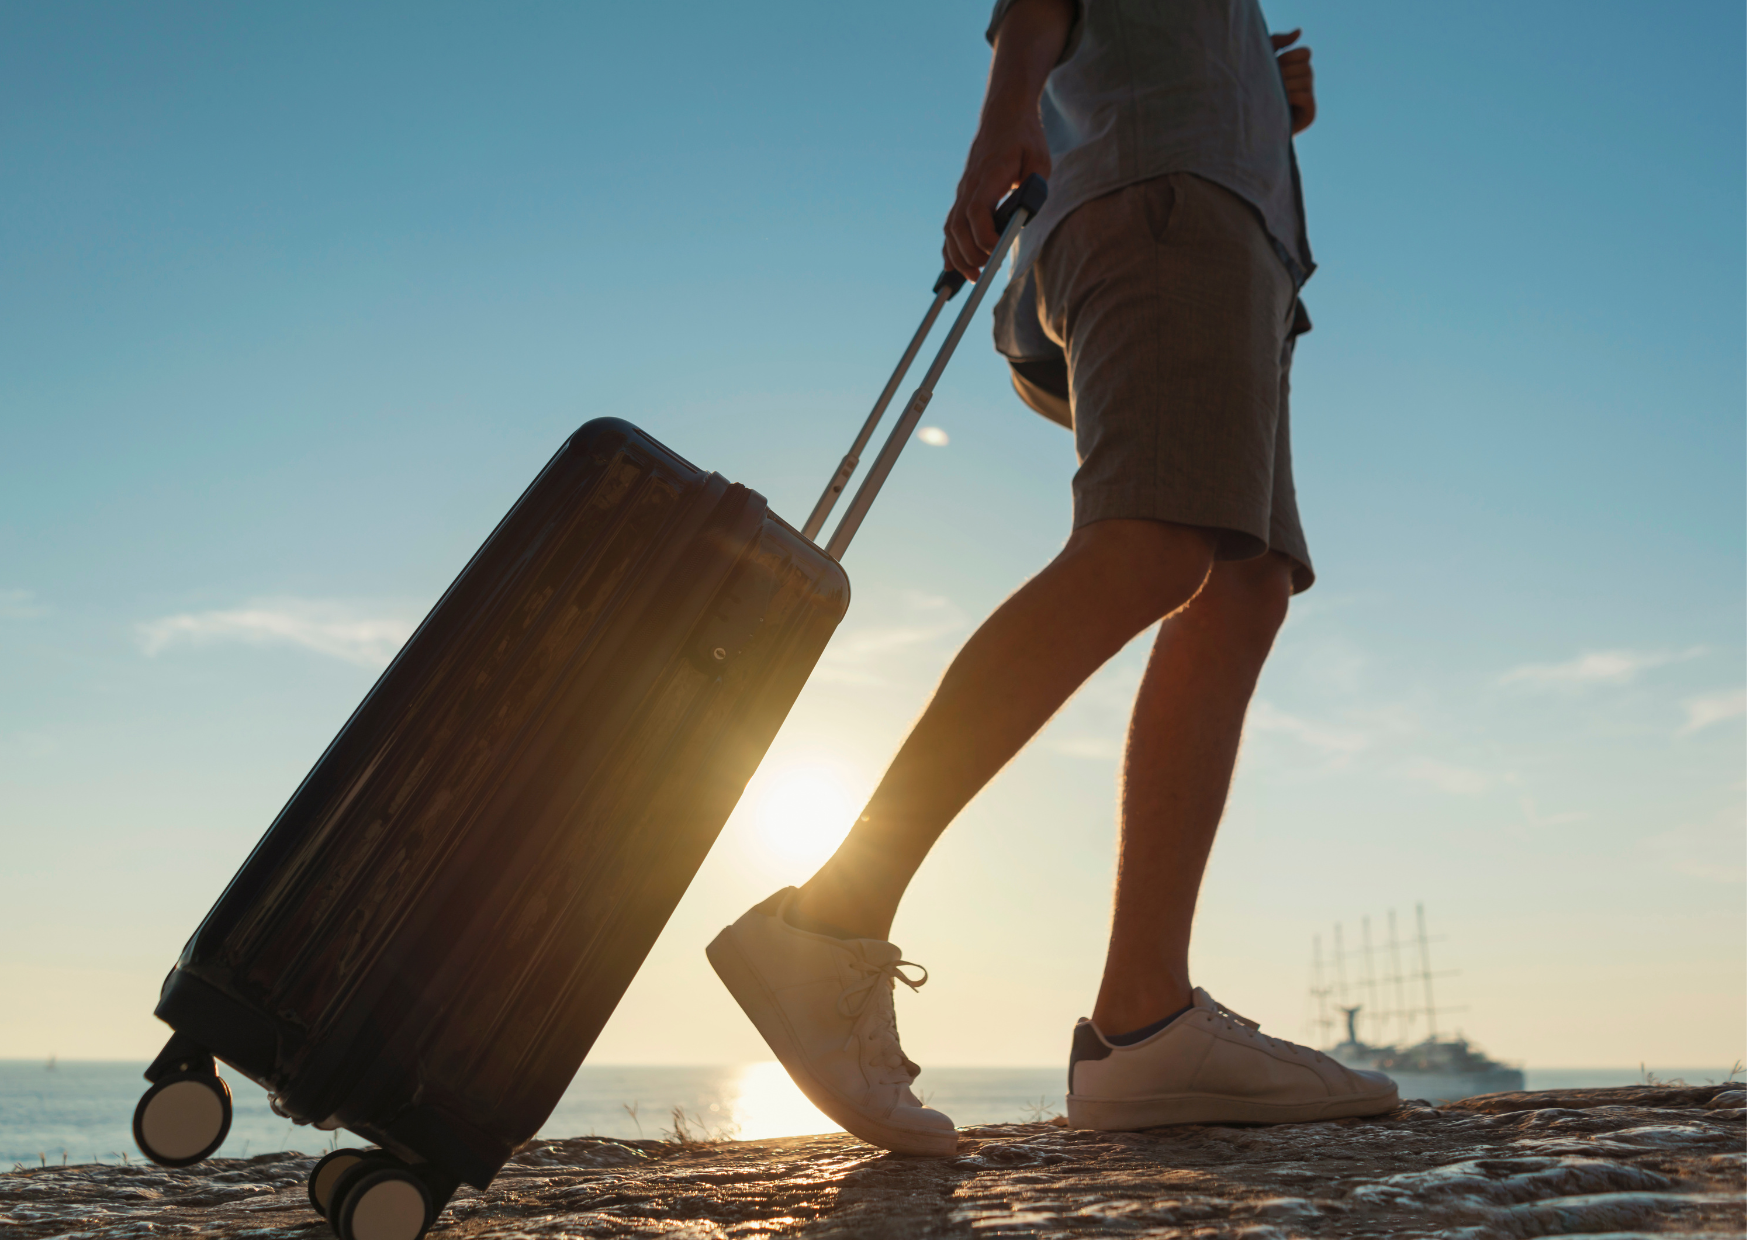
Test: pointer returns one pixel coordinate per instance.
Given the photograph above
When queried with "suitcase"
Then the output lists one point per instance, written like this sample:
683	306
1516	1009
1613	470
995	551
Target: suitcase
433	931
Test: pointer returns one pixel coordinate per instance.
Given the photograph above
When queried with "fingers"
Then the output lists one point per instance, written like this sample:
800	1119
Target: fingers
1298	79
998	162
962	250
971	234
979	214
961	247
1297	76
1285	40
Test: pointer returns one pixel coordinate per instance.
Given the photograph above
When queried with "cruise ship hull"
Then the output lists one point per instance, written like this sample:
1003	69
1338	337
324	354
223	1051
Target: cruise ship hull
1438	1087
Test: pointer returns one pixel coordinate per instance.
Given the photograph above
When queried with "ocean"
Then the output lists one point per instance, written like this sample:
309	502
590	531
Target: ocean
82	1111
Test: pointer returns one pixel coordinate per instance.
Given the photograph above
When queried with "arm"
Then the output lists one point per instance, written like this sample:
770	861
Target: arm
1009	145
1296	77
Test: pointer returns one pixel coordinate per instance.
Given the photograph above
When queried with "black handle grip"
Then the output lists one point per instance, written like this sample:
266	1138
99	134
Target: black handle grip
1030	196
950	280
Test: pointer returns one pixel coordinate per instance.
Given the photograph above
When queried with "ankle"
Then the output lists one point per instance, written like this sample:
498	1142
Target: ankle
827	912
1120	1014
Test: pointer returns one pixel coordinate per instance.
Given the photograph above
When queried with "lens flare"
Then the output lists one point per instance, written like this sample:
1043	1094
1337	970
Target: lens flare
802	814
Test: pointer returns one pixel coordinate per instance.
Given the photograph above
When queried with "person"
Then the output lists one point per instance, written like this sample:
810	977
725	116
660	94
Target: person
1153	308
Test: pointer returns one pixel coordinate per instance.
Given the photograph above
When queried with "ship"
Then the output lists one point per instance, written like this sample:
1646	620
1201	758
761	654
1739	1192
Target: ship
1424	1065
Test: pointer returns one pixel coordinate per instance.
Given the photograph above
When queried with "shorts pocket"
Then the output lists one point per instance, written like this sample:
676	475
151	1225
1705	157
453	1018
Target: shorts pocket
1158	203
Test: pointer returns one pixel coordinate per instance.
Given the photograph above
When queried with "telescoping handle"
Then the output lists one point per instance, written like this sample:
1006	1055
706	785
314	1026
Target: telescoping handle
1010	217
948	283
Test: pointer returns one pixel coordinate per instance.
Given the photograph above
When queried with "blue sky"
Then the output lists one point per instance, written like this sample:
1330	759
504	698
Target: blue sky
294	301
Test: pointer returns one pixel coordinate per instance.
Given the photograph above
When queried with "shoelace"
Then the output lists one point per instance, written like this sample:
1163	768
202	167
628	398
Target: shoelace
1255	1029
887	1027
1252	1025
872	975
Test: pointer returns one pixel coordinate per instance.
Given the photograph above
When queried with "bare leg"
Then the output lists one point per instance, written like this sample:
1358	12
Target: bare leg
1183	742
1112	580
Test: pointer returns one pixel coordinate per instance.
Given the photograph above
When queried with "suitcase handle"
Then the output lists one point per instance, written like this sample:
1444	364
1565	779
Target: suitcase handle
1016	210
1029	197
949	283
950	280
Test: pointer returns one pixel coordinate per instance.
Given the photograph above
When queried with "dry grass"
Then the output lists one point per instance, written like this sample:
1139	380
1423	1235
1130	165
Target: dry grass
691	1130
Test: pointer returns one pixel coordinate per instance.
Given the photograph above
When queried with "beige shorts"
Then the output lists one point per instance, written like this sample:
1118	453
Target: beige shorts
1177	321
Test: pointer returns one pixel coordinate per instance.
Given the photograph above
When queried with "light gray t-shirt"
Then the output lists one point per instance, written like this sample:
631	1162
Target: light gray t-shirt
1149	87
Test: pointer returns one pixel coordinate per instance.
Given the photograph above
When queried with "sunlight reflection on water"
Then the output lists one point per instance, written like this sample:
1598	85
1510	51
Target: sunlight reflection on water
82	1110
765	1103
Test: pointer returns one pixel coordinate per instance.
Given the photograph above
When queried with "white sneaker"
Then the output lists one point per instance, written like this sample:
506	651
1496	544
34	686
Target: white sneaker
824	1005
1212	1066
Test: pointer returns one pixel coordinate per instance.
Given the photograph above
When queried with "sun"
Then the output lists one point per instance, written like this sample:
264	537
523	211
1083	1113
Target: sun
802	814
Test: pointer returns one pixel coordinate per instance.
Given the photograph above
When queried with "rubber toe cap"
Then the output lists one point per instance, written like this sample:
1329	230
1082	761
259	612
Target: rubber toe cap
1374	1084
920	1119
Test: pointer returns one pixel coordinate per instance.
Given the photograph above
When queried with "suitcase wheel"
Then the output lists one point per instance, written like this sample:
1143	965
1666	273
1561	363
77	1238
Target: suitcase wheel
183	1118
380	1199
325	1176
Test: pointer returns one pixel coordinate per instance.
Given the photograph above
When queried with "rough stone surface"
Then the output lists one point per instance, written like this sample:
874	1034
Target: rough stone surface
1604	1163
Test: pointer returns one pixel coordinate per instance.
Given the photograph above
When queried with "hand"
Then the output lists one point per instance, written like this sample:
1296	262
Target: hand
1010	144
1006	151
1296	77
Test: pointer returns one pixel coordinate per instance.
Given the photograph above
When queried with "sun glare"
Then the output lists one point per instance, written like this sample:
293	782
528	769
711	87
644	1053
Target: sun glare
802	814
766	1104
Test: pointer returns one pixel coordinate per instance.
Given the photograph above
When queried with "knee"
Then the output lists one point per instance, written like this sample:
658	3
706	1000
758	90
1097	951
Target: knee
1142	569
1246	600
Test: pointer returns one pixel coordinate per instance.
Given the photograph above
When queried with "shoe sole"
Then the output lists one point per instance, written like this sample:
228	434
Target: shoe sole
760	1005
1128	1114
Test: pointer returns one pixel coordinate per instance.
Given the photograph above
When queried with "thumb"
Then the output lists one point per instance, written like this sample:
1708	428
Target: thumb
1285	40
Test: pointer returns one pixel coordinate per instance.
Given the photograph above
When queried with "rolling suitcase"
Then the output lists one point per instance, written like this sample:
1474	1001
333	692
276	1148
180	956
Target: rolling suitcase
433	931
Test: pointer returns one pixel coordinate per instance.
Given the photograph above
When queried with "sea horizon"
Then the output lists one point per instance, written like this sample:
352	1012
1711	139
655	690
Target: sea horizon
81	1110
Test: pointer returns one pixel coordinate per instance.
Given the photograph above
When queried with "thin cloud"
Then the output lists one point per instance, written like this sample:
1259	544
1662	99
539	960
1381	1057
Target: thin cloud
1334	665
1533	815
1099	748
1448	777
1712	708
1599	667
1095	722
20	605
867	656
1338	743
1709	849
325	628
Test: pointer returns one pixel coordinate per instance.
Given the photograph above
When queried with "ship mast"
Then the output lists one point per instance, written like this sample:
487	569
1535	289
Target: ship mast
1340	970
1404	1020
1318	989
1372	1010
1333	993
1426	972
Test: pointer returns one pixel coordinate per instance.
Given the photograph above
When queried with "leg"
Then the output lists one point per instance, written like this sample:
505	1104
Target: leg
1112	580
1183	741
1208	1065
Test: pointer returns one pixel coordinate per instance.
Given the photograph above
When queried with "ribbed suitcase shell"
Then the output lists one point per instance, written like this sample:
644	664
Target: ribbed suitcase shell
432	933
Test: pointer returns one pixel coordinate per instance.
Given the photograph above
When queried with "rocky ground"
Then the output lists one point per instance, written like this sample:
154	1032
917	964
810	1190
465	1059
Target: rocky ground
1610	1163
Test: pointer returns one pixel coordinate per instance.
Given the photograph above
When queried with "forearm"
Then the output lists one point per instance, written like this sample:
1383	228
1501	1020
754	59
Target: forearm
1028	44
1010	143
